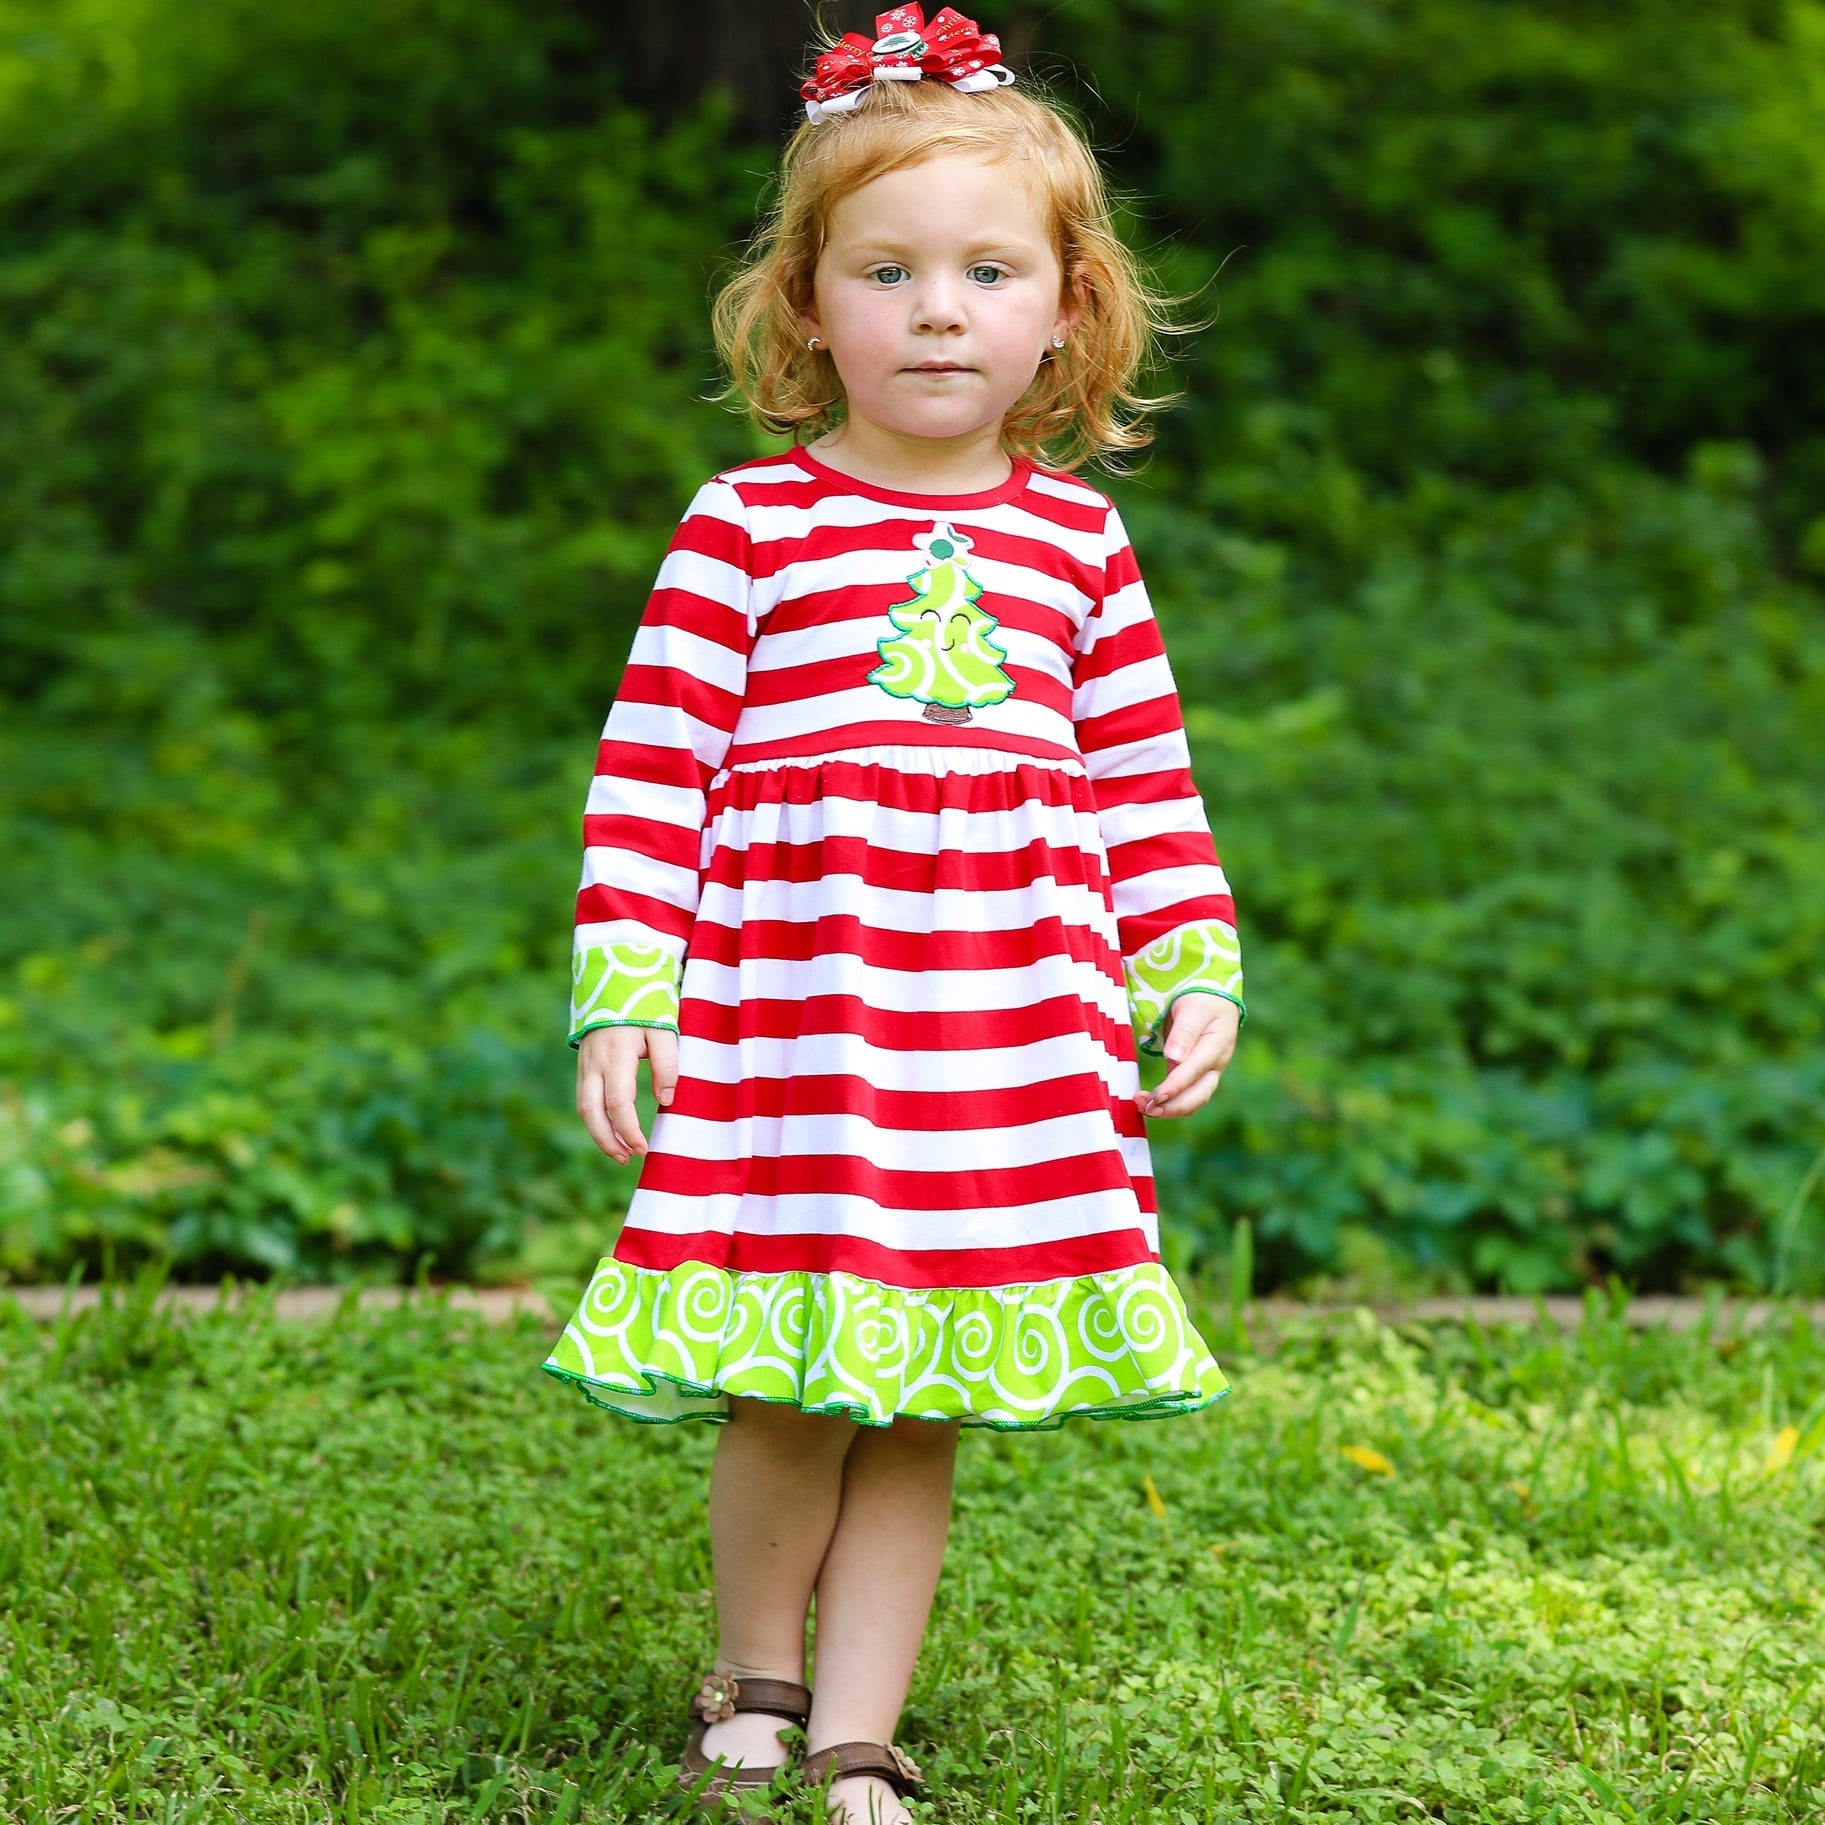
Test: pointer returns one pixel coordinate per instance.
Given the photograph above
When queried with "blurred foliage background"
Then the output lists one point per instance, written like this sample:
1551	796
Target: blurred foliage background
351	384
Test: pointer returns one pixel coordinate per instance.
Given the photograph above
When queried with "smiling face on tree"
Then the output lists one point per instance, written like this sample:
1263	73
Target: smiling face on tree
941	654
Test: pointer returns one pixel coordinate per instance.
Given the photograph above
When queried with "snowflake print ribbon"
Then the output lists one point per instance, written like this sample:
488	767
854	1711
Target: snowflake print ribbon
905	48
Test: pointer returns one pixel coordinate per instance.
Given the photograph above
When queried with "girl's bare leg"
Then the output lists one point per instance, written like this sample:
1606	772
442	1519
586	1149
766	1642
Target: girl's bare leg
774	1491
874	1594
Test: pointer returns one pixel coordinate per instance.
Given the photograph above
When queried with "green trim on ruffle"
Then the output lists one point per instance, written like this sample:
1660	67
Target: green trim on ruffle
664	1346
623	985
1204	958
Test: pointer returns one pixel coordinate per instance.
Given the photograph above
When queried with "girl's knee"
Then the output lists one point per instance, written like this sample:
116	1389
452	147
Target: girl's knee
790	1428
923	1437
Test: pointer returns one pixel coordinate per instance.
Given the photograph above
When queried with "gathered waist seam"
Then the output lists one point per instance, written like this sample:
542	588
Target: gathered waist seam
999	760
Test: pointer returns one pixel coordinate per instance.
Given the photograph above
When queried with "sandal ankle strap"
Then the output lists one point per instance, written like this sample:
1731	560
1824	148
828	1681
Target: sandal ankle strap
841	1760
722	1695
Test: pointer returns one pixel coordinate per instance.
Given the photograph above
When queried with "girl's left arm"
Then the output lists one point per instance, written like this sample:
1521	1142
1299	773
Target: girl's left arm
1175	915
666	735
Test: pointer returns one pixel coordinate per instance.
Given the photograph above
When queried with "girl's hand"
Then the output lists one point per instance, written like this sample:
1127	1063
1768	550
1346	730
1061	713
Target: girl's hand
607	1070
1200	1041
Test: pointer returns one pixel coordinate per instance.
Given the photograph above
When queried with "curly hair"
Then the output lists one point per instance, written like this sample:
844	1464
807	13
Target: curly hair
1082	404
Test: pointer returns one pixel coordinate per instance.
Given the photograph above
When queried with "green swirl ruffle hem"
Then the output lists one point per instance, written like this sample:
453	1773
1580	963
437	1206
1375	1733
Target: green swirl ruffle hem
675	1345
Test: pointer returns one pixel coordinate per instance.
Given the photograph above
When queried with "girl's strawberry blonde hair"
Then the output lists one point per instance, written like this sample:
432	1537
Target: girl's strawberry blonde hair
1082	404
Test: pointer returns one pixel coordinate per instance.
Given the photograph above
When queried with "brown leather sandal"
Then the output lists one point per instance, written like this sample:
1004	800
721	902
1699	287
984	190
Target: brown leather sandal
720	1697
841	1760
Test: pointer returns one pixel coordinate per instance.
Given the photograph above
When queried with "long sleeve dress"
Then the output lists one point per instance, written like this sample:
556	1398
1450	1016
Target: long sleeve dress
893	824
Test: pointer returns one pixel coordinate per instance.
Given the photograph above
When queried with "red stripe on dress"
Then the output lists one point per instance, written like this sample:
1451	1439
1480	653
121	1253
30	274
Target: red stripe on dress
1143	855
826	1175
647	763
905	1111
599	904
800	940
911	730
883	782
905	870
1140	931
667	685
1155	716
1136	644
1030	1263
847	603
1054	1017
1035	552
630	834
694	613
823	548
711	536
804	684
1168	786
1077	507
1122	568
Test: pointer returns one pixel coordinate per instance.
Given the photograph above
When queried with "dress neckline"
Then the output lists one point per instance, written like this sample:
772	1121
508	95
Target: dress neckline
900	497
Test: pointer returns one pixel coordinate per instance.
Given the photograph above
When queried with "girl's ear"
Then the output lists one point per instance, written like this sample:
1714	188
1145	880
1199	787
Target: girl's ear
808	322
1072	304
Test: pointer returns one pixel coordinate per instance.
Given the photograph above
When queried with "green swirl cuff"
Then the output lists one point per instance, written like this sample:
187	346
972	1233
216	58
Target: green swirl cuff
1205	957
623	985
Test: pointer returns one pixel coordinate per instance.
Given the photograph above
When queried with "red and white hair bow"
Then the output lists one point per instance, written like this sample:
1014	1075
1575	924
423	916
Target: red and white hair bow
904	49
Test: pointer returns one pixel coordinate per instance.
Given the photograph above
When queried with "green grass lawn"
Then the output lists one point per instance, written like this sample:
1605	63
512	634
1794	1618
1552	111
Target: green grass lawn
381	1567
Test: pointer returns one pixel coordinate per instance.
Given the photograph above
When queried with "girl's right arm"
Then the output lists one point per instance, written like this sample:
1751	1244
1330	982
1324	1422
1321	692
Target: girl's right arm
666	735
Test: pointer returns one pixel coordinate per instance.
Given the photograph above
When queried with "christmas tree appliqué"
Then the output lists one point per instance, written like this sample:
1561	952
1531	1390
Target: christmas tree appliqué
941	655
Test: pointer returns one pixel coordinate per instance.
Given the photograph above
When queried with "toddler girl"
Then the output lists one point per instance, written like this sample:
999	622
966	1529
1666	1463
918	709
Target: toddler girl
892	828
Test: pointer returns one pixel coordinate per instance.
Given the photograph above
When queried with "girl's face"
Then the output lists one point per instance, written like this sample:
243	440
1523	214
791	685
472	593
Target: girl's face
937	295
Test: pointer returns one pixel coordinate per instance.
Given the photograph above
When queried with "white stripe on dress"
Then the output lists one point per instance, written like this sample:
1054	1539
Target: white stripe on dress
976	1068
962	991
903	1230
893	909
830	1135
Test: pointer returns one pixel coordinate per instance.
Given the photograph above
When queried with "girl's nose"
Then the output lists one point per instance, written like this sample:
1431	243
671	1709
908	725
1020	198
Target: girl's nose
938	305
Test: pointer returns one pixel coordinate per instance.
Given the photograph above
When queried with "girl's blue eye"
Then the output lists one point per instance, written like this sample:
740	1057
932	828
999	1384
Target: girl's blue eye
881	272
994	272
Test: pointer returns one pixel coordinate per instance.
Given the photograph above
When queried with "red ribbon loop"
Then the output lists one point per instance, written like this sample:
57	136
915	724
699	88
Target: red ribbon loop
951	47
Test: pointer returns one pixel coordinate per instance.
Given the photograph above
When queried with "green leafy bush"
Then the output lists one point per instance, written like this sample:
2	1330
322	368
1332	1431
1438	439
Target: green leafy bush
351	386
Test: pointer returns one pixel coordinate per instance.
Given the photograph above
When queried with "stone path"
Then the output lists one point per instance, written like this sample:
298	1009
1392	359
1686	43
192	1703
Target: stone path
499	1303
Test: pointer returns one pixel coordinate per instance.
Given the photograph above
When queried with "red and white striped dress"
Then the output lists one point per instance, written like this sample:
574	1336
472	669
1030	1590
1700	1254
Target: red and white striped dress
893	822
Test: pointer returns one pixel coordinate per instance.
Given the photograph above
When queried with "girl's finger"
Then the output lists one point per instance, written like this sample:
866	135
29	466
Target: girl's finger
1217	1037
623	1116
591	1106
1193	1097
662	1059
1206	1055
